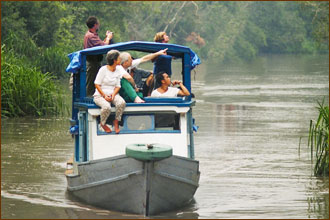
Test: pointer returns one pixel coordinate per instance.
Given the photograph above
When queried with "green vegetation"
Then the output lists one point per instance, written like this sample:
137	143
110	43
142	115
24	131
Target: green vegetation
41	33
25	90
226	30
319	141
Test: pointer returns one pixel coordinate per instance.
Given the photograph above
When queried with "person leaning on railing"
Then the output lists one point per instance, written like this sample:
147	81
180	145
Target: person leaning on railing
165	89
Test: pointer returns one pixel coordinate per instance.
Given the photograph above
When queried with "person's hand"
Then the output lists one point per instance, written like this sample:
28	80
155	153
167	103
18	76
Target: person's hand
176	82
108	97
163	52
109	35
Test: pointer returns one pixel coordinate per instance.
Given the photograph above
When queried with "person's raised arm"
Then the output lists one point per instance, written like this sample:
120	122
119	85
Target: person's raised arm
184	91
108	37
153	55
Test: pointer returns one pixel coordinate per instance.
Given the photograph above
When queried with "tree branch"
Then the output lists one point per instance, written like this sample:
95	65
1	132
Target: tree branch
174	17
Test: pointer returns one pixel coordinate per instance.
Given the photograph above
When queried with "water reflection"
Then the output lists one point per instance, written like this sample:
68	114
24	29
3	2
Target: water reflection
316	203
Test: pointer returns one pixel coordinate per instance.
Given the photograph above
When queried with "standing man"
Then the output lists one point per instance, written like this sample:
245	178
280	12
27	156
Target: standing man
93	63
163	62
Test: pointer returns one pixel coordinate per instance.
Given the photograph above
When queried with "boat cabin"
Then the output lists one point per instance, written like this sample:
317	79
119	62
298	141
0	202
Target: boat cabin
158	120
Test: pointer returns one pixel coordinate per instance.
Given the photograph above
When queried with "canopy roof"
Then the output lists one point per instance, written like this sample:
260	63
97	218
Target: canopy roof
151	47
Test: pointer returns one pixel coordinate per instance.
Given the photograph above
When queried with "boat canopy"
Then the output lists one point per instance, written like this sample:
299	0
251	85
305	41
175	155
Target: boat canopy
76	60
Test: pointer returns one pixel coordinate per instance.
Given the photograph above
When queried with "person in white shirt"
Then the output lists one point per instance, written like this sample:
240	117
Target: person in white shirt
129	91
107	84
165	90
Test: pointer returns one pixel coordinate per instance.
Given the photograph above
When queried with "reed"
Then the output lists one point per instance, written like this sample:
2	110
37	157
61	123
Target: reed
318	141
53	60
25	90
23	46
48	59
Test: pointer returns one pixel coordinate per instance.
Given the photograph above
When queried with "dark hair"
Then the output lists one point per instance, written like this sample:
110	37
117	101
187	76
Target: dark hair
159	78
112	55
91	21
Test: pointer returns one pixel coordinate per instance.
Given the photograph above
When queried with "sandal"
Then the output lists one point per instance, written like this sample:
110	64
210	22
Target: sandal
106	128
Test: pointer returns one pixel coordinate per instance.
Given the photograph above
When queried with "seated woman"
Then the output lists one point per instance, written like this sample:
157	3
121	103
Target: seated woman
165	90
107	84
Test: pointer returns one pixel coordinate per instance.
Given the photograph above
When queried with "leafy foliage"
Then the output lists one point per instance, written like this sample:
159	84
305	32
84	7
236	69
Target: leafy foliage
229	29
316	17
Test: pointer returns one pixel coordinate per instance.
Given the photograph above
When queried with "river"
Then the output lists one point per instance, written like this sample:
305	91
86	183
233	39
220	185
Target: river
250	116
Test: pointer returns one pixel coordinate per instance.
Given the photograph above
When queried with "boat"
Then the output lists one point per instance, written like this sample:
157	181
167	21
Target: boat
149	167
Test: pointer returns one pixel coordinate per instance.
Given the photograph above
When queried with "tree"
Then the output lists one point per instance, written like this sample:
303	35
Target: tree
316	17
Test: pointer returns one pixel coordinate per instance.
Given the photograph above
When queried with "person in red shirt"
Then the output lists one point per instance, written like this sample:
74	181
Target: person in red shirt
93	62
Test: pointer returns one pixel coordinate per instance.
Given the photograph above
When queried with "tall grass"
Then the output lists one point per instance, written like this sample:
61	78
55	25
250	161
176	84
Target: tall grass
25	90
48	59
22	46
319	141
53	60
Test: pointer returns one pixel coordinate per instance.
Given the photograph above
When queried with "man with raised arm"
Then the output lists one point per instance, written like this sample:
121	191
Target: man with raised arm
93	62
165	89
129	90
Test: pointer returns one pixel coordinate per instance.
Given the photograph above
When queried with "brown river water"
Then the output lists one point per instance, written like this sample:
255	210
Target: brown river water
250	117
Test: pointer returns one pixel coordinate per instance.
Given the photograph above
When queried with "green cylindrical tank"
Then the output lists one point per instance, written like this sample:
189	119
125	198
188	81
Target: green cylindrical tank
147	152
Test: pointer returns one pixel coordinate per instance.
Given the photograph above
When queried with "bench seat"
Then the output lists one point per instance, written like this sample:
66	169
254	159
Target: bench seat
88	103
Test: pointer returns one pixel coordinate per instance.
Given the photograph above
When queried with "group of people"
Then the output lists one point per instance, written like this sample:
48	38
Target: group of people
120	81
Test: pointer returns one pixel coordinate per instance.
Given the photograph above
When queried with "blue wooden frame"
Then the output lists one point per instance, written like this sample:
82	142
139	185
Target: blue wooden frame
125	130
